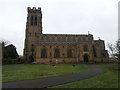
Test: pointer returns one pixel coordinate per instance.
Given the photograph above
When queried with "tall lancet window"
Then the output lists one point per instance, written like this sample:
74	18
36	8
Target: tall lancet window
94	52
69	53
57	53
35	22
31	20
85	47
43	53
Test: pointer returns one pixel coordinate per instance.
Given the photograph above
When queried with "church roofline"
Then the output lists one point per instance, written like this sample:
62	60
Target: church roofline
98	40
69	34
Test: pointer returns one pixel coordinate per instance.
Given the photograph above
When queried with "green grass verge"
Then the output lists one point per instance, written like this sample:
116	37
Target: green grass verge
107	80
33	71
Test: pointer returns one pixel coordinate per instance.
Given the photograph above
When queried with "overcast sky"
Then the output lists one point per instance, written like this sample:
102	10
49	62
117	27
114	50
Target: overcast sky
99	17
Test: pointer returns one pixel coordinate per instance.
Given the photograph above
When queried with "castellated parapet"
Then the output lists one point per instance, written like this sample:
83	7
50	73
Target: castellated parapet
33	10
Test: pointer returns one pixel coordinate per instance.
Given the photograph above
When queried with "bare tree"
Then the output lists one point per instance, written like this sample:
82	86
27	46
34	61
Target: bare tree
117	49
111	49
114	50
5	42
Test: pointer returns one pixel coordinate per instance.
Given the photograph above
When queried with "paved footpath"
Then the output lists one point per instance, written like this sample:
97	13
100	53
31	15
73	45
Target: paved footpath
56	80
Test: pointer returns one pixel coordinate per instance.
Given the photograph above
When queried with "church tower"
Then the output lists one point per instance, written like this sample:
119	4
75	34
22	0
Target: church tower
33	31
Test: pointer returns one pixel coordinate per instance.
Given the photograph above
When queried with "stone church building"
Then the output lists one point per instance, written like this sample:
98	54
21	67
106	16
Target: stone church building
59	48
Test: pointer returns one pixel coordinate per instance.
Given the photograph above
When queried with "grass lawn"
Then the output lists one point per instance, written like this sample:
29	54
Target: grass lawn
107	80
32	71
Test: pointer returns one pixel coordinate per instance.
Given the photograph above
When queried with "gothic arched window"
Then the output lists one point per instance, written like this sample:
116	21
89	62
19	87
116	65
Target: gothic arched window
68	39
63	39
32	48
58	39
35	22
53	39
94	52
69	53
31	20
47	39
42	39
73	39
103	54
57	53
43	53
79	39
85	47
84	39
30	33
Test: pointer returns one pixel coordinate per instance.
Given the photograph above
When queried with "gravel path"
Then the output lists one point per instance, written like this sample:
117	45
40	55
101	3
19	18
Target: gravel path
56	80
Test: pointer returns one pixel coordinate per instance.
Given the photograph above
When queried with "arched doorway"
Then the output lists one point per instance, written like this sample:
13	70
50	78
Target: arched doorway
86	58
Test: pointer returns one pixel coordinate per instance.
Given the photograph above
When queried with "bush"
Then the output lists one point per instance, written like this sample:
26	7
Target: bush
12	61
9	61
